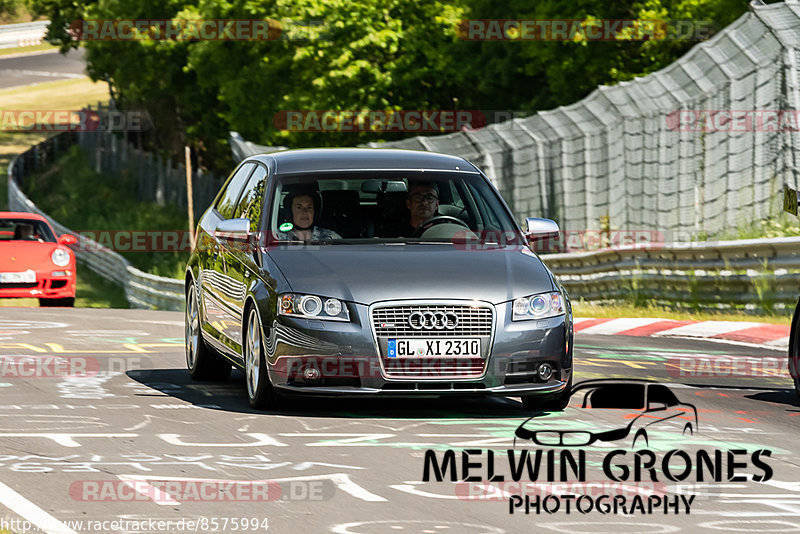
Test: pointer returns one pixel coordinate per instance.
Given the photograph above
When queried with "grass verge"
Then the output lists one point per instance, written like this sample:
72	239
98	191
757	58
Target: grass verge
83	200
59	95
93	291
26	49
586	309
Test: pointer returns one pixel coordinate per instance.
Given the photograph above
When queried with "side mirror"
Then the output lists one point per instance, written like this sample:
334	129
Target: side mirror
67	239
538	227
542	235
233	229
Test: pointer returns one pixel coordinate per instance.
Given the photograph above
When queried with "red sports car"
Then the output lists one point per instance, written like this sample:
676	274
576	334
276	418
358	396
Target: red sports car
33	263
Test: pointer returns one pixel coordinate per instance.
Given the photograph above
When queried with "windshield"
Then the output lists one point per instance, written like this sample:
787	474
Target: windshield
25	230
390	207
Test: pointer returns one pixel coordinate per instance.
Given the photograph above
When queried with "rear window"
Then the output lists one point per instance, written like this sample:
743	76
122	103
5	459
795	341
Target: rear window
25	230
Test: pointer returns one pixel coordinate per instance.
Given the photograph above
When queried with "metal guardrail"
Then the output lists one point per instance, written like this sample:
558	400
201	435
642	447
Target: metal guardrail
25	34
756	273
142	290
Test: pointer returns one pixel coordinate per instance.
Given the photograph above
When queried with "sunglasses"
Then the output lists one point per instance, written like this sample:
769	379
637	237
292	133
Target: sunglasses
419	197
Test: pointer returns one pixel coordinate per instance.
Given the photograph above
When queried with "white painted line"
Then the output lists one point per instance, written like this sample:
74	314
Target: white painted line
261	440
25	508
341	480
44	73
783	343
66	440
618	325
706	329
578	320
27	54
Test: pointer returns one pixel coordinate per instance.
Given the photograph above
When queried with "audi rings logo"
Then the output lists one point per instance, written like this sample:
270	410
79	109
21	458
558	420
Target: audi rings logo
433	320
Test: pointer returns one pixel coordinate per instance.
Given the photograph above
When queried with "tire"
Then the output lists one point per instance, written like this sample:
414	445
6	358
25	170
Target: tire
549	403
66	302
204	363
794	350
260	393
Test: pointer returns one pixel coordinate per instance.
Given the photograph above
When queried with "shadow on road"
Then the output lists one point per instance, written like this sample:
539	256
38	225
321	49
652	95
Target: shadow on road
231	396
781	396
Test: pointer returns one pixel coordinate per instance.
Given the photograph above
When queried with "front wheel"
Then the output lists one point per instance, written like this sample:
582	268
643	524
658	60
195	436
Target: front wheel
202	361
260	392
794	350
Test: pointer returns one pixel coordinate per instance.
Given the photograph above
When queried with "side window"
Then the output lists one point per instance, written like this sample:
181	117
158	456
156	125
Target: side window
657	393
228	199
252	198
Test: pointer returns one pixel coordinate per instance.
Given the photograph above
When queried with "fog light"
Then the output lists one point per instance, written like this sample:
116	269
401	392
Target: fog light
545	372
311	374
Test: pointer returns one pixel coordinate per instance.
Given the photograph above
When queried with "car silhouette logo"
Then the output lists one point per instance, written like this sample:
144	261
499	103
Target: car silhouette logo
634	407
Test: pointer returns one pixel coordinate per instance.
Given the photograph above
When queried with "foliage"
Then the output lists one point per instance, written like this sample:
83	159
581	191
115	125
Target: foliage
364	55
76	196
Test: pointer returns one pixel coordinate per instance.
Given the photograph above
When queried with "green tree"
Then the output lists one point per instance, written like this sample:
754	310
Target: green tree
538	75
358	55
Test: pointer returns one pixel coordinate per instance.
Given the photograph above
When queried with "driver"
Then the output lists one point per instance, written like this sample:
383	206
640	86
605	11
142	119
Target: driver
422	203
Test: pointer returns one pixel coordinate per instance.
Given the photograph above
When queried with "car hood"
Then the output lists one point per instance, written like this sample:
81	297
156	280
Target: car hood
20	256
372	273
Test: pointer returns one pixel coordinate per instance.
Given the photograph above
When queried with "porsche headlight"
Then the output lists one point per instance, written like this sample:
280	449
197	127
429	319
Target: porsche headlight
312	307
60	257
539	306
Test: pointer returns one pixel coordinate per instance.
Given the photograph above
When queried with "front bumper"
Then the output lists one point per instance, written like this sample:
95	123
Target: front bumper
314	357
46	286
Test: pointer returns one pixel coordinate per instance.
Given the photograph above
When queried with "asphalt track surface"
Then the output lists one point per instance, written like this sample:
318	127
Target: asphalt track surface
35	68
100	445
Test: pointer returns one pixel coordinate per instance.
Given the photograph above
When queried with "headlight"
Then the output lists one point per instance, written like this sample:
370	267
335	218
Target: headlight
312	307
60	257
538	306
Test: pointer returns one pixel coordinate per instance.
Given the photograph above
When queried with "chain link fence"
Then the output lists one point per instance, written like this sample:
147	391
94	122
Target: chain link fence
627	158
142	290
159	179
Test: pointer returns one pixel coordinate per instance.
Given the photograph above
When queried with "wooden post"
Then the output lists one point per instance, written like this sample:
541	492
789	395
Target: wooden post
189	195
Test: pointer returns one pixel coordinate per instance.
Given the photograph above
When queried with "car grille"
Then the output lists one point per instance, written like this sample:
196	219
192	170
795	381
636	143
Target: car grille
433	368
473	321
393	321
18	285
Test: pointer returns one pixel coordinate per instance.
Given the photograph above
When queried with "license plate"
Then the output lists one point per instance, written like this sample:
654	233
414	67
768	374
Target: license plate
434	348
18	278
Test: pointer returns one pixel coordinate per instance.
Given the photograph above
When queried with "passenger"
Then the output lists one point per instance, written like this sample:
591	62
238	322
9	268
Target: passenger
422	203
24	232
303	206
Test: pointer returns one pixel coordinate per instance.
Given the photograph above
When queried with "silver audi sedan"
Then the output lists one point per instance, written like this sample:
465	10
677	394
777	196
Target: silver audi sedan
374	272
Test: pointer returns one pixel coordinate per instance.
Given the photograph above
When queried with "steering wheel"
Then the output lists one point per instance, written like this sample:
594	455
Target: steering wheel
438	219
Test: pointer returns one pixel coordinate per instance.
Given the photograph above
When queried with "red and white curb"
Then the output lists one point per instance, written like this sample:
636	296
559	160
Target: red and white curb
771	336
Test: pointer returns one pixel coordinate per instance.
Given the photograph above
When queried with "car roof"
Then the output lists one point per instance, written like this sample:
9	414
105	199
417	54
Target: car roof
361	159
21	215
